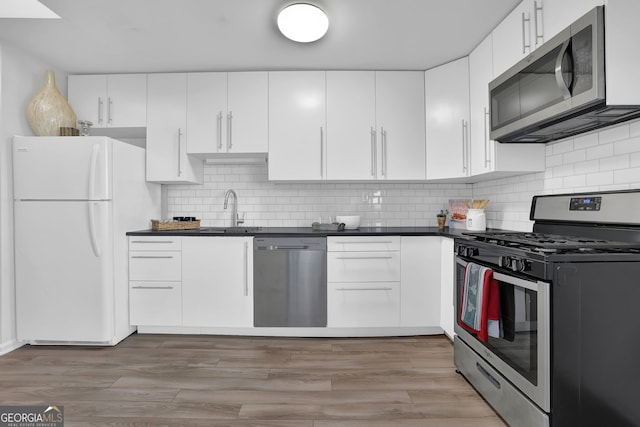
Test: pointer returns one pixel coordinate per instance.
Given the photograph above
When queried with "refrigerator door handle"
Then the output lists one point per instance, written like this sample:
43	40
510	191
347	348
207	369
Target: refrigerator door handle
93	170
93	235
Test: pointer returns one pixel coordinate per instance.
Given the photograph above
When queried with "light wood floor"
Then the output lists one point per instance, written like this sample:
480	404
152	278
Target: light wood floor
169	380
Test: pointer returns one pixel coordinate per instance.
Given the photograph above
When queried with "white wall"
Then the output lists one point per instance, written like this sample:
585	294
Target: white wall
21	77
603	160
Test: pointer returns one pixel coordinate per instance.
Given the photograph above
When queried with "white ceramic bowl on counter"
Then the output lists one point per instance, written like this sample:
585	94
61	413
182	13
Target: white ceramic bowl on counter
351	222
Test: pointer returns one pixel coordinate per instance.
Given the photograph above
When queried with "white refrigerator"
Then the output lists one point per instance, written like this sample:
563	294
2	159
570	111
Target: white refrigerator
74	200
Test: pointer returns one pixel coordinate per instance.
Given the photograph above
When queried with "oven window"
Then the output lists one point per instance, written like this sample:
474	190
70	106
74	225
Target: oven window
515	341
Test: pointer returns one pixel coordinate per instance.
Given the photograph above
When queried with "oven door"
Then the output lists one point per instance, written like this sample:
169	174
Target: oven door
521	353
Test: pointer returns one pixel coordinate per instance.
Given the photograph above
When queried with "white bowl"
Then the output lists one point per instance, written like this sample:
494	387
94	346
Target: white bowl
351	222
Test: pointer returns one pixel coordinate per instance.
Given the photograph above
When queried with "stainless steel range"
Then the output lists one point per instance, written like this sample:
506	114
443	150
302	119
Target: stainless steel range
562	347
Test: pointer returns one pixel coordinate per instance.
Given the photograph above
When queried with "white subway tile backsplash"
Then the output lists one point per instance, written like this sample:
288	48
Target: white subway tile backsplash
626	176
614	163
600	151
585	141
626	146
615	133
563	146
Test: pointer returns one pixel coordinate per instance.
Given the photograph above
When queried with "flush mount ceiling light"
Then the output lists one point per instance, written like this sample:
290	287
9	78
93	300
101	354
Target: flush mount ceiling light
303	22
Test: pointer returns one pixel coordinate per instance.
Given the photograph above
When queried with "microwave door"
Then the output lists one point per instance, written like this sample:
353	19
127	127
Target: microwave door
537	92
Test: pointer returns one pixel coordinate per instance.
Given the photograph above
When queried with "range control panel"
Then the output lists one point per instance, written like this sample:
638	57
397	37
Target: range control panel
585	203
603	207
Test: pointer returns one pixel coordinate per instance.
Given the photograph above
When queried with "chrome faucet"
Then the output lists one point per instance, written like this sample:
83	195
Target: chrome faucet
234	219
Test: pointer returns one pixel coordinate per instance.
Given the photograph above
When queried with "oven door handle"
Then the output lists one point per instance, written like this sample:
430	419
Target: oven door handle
527	284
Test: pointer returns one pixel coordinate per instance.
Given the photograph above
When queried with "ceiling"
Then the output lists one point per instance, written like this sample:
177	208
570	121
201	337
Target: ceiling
119	36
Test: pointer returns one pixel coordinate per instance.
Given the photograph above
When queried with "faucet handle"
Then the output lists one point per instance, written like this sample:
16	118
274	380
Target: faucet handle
240	218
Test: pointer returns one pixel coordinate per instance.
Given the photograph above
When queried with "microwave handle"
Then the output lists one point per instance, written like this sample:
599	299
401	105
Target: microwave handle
559	70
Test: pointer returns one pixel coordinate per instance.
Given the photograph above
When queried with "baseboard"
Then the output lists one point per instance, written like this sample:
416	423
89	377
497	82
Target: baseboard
8	347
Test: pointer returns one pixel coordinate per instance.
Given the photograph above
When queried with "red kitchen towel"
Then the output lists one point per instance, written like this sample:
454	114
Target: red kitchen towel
480	300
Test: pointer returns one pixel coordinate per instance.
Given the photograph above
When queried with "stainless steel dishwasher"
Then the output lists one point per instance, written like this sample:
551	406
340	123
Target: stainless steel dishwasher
290	281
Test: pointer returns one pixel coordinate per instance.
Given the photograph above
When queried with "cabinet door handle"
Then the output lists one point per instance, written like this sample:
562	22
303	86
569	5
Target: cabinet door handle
321	151
152	241
219	120
100	110
229	130
152	256
373	152
525	46
536	9
152	287
179	152
464	147
110	110
383	148
386	288
364	257
487	158
246	269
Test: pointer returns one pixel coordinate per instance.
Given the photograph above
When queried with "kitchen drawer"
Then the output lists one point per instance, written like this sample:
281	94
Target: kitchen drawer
364	243
363	266
155	243
155	303
155	265
363	304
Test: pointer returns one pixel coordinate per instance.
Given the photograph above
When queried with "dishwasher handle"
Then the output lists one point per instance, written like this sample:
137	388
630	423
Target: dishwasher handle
282	247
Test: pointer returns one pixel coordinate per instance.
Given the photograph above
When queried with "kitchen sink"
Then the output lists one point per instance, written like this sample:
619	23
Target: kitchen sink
231	230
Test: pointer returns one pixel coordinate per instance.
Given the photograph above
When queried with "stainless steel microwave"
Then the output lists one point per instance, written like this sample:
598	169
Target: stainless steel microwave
558	90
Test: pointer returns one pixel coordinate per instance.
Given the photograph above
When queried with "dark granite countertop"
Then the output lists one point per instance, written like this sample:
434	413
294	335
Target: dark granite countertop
306	231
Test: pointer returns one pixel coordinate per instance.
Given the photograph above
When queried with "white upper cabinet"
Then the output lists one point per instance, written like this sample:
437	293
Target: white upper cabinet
400	125
559	14
375	126
297	125
352	145
206	95
521	32
227	112
622	33
488	156
109	101
447	120
167	159
480	74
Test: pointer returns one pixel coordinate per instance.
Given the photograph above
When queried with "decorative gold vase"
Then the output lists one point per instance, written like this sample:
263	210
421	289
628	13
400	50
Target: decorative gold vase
48	111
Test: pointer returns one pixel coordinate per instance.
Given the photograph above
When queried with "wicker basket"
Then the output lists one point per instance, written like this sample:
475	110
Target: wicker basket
157	225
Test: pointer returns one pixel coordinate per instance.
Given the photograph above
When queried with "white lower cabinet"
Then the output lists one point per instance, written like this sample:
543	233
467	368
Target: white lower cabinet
155	303
421	269
368	304
217	281
363	275
155	274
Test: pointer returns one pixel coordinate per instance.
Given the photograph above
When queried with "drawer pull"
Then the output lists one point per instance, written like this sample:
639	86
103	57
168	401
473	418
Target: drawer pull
364	257
152	241
366	243
365	289
152	256
152	287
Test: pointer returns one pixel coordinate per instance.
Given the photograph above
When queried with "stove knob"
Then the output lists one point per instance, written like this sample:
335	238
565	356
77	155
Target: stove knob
472	252
461	250
504	261
518	265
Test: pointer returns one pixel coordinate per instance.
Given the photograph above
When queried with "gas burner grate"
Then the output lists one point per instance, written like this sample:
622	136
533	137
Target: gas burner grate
553	244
